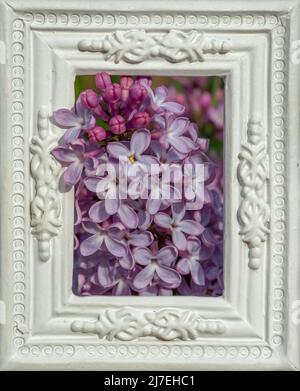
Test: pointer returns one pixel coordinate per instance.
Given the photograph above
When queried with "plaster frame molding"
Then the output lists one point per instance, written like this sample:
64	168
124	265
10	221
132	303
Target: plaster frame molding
253	172
128	324
45	170
136	46
38	329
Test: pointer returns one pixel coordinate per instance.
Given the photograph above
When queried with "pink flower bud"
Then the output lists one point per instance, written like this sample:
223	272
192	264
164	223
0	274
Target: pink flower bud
137	93
205	100
97	111
103	80
125	82
97	134
156	135
112	93
89	99
140	120
117	124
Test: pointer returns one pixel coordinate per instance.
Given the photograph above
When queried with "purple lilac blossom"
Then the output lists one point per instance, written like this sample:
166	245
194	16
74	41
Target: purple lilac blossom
152	243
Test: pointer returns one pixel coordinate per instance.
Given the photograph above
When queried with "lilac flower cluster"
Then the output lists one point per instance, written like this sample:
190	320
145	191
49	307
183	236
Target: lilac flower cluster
138	245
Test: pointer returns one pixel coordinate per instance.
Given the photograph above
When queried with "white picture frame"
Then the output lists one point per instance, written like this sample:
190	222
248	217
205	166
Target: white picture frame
256	323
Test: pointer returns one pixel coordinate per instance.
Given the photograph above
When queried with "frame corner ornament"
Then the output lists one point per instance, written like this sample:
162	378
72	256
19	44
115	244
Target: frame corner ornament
45	206
136	46
253	171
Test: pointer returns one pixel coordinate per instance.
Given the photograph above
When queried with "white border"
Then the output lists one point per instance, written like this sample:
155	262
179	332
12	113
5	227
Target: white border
253	326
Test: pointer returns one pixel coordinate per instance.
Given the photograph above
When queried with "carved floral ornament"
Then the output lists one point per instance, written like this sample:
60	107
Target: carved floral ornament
253	172
136	46
128	324
45	170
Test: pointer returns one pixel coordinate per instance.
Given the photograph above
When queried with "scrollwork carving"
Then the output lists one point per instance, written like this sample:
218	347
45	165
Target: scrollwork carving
128	324
253	172
135	46
45	206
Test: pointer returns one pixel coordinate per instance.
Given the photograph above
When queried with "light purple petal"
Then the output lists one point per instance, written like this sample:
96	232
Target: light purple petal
145	219
71	135
148	160
98	213
197	273
66	118
182	144
211	273
168	275
183	266
121	289
153	205
178	126
90	245
144	277
161	94
117	150
77	213
178	211
163	220
140	141
91	227
80	109
104	274
91	184
64	155
73	173
174	107
191	227
167	255
91	163
112	205
141	239
193	245
115	247
142	256
179	239
128	216
127	262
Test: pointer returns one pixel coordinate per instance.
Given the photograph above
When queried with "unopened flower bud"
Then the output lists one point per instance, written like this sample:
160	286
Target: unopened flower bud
125	83
112	93
140	120
137	92
97	134
103	80
89	99
117	124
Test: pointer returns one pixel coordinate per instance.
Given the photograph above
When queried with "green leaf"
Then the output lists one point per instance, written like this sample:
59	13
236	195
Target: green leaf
100	122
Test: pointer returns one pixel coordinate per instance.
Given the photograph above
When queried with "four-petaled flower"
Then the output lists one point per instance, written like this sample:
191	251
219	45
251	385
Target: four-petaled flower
159	100
157	266
191	262
102	238
75	120
177	225
76	158
173	134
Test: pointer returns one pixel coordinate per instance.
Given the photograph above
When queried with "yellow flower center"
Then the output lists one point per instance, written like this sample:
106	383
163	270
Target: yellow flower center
131	158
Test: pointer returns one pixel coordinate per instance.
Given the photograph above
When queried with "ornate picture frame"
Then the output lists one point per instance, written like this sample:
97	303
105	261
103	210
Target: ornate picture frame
256	323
